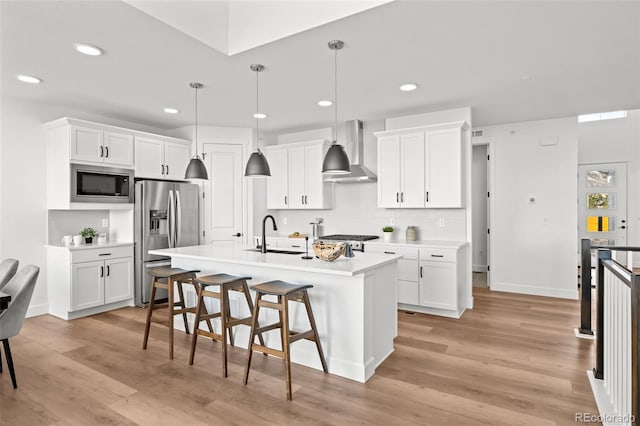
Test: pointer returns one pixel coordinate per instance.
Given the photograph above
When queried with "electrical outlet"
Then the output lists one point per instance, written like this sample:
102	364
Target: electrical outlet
392	221
105	223
441	223
285	220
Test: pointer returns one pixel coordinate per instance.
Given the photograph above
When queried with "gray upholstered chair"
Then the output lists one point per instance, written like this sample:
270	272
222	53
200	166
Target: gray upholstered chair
20	288
8	269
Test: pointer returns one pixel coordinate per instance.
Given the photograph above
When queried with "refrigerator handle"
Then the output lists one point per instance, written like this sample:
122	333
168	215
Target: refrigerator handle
178	224
170	219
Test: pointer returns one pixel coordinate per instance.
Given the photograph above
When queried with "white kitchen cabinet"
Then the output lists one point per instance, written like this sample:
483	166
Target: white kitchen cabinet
421	167
88	144
296	180
83	281
438	284
408	268
159	159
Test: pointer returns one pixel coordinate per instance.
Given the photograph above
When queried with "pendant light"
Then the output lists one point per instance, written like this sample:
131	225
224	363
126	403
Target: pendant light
336	161
257	166
196	168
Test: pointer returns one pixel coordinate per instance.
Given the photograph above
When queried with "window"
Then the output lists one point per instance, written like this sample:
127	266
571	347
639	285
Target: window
601	116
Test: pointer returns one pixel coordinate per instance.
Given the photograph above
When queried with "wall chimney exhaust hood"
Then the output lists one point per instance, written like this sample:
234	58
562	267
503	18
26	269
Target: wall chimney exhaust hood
354	145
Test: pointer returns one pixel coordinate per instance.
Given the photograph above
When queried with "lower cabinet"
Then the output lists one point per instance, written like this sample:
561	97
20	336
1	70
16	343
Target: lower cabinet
438	285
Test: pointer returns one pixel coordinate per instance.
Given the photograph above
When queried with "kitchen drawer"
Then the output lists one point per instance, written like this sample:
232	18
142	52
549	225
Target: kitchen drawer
405	252
408	292
89	255
408	270
297	244
438	255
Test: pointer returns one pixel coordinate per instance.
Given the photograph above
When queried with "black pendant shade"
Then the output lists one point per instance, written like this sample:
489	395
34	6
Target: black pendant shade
336	162
196	169
257	166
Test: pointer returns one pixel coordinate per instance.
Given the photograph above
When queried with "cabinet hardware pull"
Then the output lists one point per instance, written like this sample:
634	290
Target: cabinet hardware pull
421	272
306	200
106	149
162	169
397	197
167	166
295	246
108	270
237	234
402	197
390	252
427	196
302	199
104	254
101	271
285	200
437	255
101	151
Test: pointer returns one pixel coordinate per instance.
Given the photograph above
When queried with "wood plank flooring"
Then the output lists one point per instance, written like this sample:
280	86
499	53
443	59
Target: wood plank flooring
513	360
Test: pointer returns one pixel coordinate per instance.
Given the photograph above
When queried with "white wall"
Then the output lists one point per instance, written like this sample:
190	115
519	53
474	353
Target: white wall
533	247
23	212
479	205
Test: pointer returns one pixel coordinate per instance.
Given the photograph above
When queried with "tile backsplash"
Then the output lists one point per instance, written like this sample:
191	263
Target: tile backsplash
71	222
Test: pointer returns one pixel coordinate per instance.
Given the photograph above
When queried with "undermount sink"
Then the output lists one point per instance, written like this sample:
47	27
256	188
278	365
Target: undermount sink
276	251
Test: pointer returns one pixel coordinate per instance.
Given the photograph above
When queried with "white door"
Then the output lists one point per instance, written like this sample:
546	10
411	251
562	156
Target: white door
87	285
297	171
389	172
176	159
149	156
278	183
118	149
118	279
444	168
223	207
86	144
602	203
412	192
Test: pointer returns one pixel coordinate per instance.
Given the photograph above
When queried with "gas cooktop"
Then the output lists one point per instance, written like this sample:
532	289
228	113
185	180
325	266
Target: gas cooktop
346	237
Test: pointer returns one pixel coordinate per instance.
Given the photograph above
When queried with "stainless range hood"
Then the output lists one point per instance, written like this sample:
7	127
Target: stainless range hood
354	145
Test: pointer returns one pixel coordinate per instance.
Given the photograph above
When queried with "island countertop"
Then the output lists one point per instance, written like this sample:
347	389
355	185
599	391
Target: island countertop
238	254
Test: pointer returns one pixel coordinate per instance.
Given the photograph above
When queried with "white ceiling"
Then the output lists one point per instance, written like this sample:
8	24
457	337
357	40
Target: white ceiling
580	56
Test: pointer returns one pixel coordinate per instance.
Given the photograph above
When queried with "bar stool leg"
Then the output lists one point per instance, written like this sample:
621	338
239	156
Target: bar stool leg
284	333
247	295
254	324
147	326
170	281
228	314
182	305
223	323
312	321
196	325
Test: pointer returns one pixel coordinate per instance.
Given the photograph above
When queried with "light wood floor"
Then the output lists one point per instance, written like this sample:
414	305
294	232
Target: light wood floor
513	360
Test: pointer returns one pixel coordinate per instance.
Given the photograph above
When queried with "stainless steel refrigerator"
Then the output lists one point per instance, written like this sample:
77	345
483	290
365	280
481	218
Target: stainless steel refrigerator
166	216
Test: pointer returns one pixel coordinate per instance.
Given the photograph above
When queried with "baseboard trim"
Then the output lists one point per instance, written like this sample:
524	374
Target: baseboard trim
534	290
480	268
37	310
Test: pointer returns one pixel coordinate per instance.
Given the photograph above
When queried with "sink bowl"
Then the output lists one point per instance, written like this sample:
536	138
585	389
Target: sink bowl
276	251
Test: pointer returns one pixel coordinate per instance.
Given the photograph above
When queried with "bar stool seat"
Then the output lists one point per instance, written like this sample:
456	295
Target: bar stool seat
225	283
285	293
164	278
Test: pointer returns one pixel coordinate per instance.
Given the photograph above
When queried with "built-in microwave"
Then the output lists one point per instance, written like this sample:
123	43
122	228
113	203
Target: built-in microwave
97	184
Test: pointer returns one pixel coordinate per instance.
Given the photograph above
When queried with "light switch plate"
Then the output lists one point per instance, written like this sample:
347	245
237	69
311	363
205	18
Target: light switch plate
105	223
441	223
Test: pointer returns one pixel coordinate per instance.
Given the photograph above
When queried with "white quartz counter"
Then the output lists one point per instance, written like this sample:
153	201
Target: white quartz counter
418	243
84	246
238	254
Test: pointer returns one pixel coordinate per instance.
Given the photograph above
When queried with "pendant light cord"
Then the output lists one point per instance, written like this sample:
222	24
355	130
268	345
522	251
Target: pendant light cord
196	126
257	111
335	102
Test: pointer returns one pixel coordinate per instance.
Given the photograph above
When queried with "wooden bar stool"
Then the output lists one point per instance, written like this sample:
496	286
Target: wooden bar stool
286	292
164	277
225	283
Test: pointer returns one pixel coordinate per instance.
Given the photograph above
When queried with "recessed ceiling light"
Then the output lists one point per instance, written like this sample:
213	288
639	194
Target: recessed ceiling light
408	87
525	77
325	103
87	49
171	111
29	79
259	115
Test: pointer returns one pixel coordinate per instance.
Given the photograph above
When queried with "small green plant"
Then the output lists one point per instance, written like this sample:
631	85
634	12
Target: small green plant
88	233
387	229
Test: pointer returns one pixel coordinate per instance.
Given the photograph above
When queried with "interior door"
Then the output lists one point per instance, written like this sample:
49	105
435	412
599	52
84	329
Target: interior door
602	203
223	193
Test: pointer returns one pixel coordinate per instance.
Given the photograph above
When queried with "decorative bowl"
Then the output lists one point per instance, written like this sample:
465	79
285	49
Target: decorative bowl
328	251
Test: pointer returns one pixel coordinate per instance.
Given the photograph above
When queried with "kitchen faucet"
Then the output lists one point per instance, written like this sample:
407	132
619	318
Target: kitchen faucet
263	249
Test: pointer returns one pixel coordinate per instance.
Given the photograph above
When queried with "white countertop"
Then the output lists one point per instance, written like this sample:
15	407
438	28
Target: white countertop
417	243
84	246
236	253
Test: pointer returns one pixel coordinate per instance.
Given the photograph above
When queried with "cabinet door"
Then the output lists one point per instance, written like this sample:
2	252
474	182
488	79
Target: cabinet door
297	174
412	193
438	285
443	159
149	158
408	292
118	149
87	285
278	183
314	179
86	144
176	159
389	172
118	279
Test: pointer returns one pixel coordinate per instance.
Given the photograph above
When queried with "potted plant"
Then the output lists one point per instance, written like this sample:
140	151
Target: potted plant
387	232
88	234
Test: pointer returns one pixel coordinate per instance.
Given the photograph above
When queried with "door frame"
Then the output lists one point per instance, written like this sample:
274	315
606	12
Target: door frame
490	143
247	186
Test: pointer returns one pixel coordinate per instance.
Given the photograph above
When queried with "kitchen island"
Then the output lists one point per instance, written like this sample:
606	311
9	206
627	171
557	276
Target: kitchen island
353	300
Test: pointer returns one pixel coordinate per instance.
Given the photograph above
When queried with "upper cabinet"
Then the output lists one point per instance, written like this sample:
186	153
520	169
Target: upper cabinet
93	145
296	180
421	167
158	159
